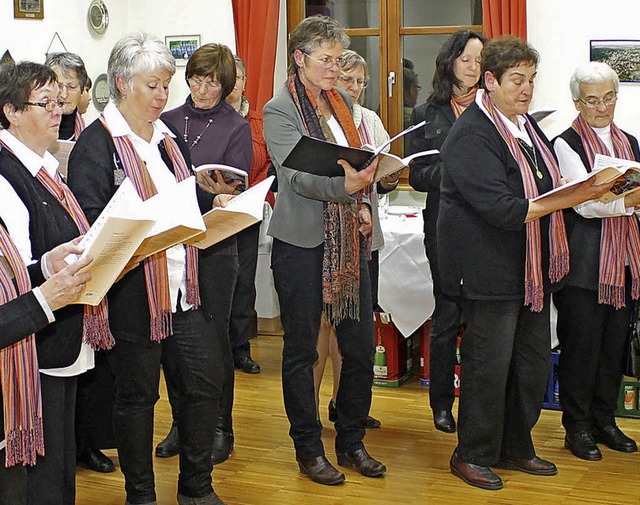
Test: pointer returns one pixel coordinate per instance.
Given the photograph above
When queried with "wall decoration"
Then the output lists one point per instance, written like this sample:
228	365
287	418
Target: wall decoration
621	55
98	17
100	92
182	47
7	59
28	9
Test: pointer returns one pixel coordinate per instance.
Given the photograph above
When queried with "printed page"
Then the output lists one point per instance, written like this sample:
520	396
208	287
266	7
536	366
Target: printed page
389	163
240	213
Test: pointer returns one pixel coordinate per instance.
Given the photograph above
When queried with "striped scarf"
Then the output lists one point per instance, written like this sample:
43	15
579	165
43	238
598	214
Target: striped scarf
340	262
460	103
19	372
367	138
78	126
620	236
155	267
558	246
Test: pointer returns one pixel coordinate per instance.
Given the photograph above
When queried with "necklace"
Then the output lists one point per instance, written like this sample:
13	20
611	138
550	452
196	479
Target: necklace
534	159
185	135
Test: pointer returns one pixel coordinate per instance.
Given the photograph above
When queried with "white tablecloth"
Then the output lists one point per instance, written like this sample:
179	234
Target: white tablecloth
405	286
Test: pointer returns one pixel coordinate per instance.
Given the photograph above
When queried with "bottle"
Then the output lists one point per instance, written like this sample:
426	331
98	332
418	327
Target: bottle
629	397
380	359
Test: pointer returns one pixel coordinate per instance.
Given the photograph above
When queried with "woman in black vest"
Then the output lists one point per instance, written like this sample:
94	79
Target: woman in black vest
596	303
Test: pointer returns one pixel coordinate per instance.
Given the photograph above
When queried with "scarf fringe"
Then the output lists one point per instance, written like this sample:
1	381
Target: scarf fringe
161	326
25	445
611	295
558	267
534	296
96	332
342	309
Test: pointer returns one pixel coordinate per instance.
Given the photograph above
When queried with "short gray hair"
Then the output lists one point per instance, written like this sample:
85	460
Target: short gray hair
350	60
68	62
592	73
240	64
133	54
311	33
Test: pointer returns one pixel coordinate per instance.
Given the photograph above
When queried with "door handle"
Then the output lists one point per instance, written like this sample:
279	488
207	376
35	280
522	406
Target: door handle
391	80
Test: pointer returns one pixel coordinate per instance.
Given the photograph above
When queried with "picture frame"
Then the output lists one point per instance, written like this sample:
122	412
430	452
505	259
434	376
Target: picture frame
623	56
28	9
182	47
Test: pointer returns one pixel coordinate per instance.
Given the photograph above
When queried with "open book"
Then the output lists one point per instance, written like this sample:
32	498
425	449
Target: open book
229	174
240	213
319	157
606	169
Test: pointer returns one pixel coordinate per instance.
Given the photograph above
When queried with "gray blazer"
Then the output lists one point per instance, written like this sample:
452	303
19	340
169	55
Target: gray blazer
298	214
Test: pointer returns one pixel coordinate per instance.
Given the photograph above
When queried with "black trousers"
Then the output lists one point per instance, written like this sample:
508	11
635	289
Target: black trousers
191	360
297	274
374	276
243	325
52	481
593	339
505	366
13	483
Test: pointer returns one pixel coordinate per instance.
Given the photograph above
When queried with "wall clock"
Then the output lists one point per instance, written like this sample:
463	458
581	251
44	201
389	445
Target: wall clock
98	16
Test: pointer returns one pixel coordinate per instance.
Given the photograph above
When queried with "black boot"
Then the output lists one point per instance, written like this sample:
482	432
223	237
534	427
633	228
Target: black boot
222	446
170	446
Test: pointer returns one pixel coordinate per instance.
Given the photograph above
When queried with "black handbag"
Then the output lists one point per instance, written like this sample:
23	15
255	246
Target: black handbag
632	368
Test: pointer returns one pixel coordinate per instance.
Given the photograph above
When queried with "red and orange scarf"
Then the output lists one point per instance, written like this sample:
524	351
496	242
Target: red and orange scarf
22	398
155	267
558	245
460	103
620	236
78	126
341	260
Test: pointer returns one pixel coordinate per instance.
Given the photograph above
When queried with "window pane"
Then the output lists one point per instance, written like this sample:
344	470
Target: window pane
369	49
351	13
441	13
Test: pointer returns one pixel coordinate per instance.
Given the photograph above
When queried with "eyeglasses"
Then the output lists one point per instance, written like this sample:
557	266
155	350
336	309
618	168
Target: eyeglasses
209	86
325	62
49	105
71	86
349	80
240	77
594	103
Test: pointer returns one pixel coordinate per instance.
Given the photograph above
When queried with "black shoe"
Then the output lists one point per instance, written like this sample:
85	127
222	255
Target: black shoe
370	423
364	463
582	445
170	446
613	438
444	421
247	365
320	470
96	460
222	446
474	475
533	466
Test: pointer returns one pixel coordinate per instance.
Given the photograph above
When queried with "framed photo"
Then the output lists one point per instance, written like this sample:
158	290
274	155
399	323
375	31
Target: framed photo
621	55
182	47
28	9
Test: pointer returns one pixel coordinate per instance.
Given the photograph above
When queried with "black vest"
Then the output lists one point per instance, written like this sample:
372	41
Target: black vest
59	343
584	234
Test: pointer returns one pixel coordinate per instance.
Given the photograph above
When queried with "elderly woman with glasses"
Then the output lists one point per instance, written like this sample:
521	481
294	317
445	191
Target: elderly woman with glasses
596	303
40	213
318	259
72	79
164	309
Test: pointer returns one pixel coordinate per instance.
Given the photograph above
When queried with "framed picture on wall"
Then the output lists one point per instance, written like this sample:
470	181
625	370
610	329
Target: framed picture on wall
621	55
182	47
28	9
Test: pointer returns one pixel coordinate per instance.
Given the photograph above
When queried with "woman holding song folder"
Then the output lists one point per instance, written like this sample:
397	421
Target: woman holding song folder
159	309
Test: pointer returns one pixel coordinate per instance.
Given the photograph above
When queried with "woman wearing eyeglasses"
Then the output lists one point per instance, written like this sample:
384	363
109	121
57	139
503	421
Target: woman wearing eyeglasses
214	133
318	259
596	303
40	213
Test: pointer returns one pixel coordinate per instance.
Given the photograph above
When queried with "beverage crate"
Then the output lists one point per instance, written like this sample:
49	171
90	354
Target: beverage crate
393	359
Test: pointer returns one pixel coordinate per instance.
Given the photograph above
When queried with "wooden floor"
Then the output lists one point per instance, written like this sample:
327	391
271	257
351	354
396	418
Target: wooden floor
262	468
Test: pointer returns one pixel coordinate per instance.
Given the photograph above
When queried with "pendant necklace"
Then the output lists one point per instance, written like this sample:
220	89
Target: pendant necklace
534	158
185	135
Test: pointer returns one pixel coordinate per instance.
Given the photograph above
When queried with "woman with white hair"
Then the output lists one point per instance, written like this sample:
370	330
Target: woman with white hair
596	303
160	307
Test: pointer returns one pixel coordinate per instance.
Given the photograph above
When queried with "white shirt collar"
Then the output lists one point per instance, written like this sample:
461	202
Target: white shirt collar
518	131
31	160
120	128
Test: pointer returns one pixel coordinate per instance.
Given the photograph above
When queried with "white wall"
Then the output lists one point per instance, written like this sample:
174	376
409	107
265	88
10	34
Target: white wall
561	30
28	39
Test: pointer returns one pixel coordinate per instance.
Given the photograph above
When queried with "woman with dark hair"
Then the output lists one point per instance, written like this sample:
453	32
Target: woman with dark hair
455	82
214	133
501	254
163	309
317	257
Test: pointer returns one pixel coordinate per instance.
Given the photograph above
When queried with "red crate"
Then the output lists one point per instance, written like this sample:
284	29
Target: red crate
393	359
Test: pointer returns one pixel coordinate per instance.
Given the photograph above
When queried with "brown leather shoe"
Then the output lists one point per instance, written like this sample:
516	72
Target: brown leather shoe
364	463
534	466
320	470
474	475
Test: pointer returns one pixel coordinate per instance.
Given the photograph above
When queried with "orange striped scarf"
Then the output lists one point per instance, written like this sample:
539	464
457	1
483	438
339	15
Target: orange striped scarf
78	126
620	236
155	267
558	246
460	103
22	399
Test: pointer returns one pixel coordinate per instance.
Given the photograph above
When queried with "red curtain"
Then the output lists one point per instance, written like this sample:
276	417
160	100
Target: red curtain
504	17
256	24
